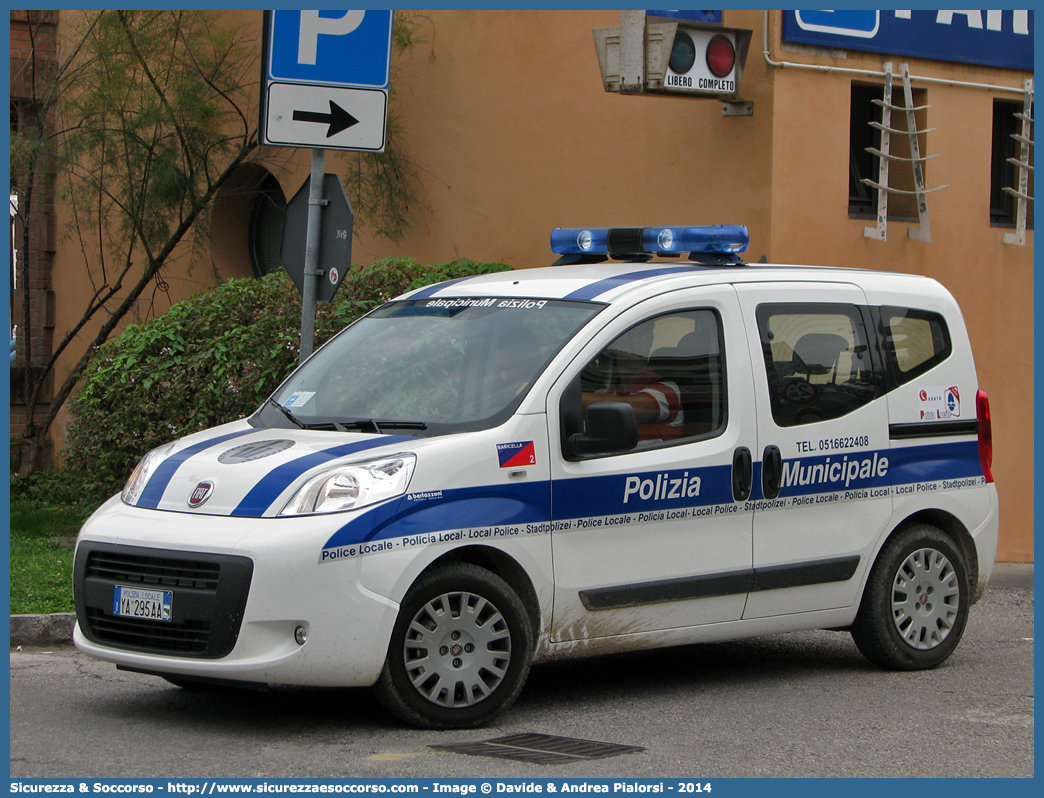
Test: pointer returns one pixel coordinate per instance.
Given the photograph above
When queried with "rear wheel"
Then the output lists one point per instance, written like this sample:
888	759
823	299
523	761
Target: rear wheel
460	650
915	605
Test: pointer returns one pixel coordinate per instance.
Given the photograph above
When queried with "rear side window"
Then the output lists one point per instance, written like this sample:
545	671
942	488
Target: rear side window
915	341
817	361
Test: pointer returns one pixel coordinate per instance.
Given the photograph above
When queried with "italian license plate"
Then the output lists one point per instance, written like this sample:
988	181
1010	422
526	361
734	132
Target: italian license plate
134	602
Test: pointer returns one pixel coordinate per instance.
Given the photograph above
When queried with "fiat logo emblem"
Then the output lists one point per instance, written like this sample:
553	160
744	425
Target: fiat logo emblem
200	494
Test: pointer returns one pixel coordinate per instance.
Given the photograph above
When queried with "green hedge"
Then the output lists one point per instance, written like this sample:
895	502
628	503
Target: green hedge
211	359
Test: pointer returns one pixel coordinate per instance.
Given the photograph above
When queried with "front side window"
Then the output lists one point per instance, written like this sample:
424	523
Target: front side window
669	369
817	361
428	366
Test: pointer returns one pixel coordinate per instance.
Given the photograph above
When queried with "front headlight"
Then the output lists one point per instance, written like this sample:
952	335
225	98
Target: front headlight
139	477
353	486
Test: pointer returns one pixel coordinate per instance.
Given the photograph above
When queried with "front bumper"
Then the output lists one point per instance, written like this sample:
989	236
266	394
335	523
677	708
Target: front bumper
241	588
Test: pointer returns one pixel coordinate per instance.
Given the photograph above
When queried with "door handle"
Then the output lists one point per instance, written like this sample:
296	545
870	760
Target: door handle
771	471
742	473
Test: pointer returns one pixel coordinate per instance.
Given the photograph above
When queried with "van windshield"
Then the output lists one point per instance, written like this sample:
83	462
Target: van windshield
427	366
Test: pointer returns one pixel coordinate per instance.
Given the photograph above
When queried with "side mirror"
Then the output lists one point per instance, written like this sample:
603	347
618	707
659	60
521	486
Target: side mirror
611	427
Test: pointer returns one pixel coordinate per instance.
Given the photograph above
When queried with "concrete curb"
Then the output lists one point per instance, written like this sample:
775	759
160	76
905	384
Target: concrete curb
42	630
45	630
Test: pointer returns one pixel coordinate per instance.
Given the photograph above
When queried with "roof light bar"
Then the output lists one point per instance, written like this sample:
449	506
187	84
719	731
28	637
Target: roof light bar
666	240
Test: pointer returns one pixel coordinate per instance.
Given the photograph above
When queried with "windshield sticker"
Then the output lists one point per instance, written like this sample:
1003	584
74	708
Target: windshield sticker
298	399
487	302
523	304
937	404
460	303
513	455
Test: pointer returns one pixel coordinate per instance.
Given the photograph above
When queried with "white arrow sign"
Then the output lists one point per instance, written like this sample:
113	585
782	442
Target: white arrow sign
326	116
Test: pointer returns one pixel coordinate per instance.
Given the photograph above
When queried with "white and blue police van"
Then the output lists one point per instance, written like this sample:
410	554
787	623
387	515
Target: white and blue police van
650	443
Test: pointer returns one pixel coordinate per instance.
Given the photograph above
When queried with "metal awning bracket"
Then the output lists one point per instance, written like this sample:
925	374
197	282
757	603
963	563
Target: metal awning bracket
923	231
1021	193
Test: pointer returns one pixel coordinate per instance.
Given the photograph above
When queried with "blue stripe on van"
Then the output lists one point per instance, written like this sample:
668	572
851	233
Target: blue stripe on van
484	506
600	287
938	461
664	489
491	506
268	488
431	290
164	473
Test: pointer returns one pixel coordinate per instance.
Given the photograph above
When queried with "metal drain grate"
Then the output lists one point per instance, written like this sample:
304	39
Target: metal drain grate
541	749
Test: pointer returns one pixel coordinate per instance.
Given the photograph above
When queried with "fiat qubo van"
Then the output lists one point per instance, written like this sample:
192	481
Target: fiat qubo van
650	443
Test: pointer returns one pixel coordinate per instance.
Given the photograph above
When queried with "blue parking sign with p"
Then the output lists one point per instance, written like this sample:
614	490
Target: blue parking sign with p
334	48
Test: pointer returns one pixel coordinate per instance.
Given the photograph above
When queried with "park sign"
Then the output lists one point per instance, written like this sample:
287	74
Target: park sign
987	38
325	78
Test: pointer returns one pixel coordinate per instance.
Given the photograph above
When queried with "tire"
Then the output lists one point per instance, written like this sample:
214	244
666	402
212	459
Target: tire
915	605
460	650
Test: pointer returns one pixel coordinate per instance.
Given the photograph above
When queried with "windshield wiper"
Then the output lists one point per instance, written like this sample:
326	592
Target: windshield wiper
321	425
377	426
364	424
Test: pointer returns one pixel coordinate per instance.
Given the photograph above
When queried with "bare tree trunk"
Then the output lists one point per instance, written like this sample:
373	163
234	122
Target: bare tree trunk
30	387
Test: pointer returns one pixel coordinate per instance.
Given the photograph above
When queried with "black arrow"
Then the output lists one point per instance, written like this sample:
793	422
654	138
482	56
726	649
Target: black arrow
338	118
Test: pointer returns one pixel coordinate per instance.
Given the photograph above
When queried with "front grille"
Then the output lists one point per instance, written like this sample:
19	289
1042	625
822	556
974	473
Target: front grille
190	638
209	597
154	572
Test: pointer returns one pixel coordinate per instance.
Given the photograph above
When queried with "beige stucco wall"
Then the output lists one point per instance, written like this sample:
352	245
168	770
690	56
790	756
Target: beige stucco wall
512	135
992	281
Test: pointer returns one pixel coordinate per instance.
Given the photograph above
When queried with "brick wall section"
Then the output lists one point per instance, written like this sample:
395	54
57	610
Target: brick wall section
33	61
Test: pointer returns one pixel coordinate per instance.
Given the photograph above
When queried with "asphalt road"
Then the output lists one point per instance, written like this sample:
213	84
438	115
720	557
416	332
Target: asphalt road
799	705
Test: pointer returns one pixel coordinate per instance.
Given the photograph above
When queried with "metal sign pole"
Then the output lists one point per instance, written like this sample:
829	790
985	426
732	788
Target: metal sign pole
311	265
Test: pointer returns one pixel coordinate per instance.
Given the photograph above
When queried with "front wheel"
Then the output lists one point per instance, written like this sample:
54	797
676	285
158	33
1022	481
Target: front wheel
460	650
915	605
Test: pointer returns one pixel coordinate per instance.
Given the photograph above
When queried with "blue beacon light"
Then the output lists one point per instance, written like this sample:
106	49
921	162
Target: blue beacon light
664	240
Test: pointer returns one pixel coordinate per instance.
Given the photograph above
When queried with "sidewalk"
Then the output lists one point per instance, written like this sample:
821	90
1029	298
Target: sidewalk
46	630
1012	574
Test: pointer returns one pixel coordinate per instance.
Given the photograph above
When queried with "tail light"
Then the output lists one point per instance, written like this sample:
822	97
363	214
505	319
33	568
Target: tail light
982	412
